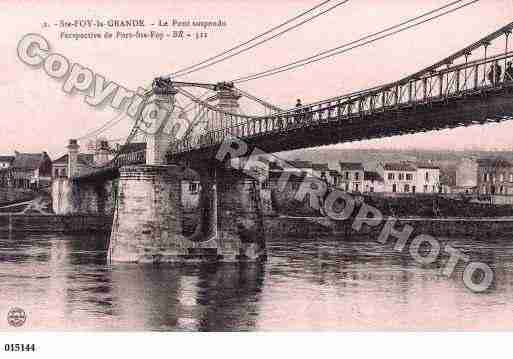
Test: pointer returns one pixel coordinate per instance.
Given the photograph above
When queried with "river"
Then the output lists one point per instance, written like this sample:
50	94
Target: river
63	282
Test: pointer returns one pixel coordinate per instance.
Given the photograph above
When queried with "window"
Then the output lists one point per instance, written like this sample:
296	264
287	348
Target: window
372	189
356	187
356	176
413	189
295	185
409	176
390	176
265	184
401	176
193	187
406	188
394	188
347	187
347	175
427	176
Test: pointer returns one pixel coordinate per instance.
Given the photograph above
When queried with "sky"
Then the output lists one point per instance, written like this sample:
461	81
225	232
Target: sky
38	116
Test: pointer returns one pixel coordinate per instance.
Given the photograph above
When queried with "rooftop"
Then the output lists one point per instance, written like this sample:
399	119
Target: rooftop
372	176
29	161
428	166
83	158
494	162
351	166
9	159
300	164
399	166
320	166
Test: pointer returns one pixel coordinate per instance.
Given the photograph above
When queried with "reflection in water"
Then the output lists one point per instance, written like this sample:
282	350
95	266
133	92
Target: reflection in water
64	282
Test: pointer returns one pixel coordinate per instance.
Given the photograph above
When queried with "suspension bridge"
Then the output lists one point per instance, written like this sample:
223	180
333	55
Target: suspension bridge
471	86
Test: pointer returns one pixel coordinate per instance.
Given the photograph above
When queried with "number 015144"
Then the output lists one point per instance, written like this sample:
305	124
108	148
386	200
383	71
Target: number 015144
20	347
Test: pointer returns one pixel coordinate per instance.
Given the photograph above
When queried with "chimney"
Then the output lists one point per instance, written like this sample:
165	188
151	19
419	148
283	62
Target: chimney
73	149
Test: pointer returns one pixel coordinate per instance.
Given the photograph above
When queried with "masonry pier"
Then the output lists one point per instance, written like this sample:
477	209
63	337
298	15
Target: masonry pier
148	217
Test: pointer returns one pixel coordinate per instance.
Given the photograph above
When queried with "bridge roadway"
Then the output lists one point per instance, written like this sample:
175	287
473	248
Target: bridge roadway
459	95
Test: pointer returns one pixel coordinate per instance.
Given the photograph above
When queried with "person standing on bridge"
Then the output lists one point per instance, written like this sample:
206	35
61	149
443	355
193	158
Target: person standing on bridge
298	117
494	76
508	74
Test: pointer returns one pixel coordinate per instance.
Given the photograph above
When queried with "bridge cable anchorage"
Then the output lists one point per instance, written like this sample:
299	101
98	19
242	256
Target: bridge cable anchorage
260	42
250	40
357	43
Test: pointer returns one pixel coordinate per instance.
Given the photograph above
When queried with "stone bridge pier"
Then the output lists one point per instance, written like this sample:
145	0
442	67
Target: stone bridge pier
94	198
148	218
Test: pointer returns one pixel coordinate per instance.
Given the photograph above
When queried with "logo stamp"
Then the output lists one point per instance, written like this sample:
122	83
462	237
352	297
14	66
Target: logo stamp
16	317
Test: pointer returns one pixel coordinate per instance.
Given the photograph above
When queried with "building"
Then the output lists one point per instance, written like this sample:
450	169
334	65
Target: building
191	188
85	162
30	170
321	170
351	176
259	167
465	176
334	178
5	174
373	182
494	176
428	178
297	165
6	161
448	180
398	177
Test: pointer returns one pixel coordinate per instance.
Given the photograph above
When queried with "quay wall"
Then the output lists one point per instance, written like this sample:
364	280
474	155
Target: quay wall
300	227
13	195
54	223
308	227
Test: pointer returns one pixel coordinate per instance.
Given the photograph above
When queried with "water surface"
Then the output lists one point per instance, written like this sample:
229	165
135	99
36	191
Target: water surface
63	282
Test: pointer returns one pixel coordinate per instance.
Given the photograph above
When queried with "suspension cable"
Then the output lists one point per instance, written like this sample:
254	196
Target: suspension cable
316	58
250	40
261	42
107	125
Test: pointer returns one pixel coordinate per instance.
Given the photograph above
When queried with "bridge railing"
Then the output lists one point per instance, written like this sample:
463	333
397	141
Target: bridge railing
452	81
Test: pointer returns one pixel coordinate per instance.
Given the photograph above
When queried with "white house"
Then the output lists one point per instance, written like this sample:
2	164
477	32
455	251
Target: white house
398	177
351	179
428	178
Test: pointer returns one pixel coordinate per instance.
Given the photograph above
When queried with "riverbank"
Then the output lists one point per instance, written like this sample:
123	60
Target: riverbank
308	227
291	226
42	223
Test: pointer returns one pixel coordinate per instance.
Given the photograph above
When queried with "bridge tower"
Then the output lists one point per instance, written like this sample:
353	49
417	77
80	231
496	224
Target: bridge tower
156	116
149	216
